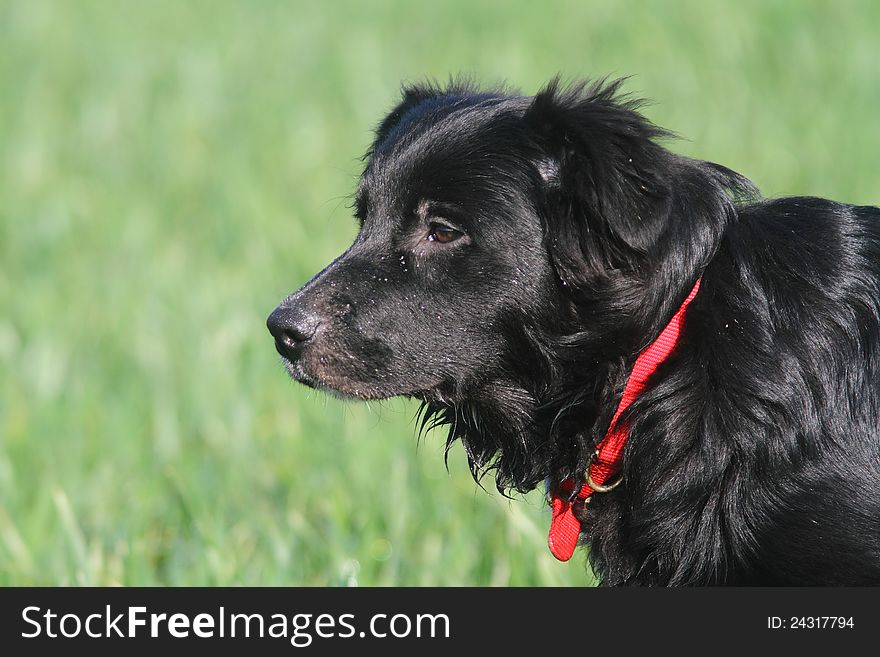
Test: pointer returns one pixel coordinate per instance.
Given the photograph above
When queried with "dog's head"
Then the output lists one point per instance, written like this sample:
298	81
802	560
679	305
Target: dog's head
510	247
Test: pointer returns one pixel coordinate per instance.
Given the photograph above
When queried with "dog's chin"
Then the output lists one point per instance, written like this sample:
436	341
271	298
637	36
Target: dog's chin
342	386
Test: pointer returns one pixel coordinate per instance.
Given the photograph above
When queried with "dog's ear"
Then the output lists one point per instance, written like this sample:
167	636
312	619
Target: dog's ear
629	225
605	179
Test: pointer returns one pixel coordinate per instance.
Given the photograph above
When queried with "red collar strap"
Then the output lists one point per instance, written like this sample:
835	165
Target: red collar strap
565	528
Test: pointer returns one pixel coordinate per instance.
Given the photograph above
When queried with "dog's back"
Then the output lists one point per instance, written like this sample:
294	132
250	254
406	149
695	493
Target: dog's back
764	428
796	318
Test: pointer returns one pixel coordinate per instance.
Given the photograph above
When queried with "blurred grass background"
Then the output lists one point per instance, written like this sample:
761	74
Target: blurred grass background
169	171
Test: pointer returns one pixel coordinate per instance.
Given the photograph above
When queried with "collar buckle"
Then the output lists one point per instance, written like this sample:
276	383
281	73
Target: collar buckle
601	488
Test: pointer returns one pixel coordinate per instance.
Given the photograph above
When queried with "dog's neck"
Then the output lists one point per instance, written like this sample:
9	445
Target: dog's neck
542	422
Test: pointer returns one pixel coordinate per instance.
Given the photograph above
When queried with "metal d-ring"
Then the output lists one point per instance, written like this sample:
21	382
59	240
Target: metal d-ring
601	488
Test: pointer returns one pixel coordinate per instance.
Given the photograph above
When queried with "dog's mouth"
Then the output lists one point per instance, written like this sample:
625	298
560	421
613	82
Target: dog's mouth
298	373
325	382
322	376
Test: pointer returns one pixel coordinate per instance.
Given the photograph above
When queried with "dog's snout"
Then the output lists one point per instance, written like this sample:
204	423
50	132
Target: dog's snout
292	327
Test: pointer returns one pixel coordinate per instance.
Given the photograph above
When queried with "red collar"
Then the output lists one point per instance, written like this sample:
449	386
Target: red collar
565	528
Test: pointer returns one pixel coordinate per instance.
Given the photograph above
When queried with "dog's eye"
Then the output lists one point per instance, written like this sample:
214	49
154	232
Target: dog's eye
443	234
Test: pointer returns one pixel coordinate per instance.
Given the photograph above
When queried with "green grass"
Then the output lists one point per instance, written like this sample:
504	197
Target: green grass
169	170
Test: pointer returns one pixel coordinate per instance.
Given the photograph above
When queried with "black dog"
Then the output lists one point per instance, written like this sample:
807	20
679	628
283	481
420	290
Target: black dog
517	254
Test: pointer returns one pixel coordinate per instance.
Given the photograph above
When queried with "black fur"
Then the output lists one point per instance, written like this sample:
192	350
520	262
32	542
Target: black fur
517	253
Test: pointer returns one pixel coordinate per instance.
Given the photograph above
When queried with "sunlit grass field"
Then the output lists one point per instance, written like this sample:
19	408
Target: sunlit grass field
170	170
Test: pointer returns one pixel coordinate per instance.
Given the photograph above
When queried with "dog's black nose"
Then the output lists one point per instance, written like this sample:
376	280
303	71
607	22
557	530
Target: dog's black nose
292	328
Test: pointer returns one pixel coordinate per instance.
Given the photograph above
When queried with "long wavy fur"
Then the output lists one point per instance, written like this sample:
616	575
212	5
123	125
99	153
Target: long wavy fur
780	360
754	453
